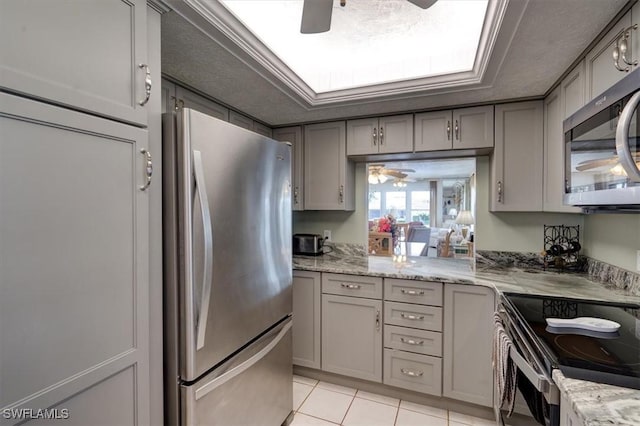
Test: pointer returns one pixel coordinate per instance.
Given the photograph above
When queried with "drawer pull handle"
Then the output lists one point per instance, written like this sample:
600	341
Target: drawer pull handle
412	342
350	286
412	292
411	373
412	317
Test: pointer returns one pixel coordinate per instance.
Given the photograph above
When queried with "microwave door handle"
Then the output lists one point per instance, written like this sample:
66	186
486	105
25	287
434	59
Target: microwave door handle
201	324
622	139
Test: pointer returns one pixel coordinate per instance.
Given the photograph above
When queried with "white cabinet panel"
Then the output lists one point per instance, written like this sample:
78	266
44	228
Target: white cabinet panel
74	244
572	92
84	54
362	136
294	136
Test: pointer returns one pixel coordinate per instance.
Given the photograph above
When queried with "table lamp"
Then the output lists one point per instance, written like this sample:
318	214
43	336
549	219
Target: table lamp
465	218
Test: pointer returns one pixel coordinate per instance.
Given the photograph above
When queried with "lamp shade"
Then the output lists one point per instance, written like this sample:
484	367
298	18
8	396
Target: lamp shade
465	217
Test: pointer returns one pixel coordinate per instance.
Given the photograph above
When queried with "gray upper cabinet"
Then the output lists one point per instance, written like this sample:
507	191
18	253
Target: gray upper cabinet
306	318
168	94
240	120
188	99
433	131
329	178
74	244
294	135
385	135
261	129
352	336
90	54
555	106
601	72
572	93
467	373
473	127
464	128
517	161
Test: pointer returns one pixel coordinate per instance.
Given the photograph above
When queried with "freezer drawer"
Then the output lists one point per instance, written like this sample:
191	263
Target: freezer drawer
253	388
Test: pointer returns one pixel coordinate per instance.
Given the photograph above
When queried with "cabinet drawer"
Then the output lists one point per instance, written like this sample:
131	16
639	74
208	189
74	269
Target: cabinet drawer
422	292
414	316
352	285
413	340
420	373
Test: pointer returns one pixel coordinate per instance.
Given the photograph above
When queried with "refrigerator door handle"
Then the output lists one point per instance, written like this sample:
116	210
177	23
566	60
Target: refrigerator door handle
235	371
201	325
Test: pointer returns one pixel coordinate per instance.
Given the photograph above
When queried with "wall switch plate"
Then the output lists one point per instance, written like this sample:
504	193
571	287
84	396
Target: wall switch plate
327	235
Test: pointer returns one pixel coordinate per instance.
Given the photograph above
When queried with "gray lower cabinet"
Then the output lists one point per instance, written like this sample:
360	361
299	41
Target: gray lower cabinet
468	336
91	54
420	373
352	336
306	318
74	281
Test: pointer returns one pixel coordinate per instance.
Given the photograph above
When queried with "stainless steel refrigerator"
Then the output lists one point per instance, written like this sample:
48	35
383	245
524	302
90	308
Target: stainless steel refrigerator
227	256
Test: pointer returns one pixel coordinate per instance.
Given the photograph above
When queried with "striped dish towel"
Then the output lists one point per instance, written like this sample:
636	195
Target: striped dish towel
504	370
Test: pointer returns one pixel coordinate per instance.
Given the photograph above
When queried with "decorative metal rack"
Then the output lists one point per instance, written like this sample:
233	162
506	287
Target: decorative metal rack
562	248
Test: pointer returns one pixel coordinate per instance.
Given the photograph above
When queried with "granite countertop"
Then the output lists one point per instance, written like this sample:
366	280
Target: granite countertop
465	271
596	404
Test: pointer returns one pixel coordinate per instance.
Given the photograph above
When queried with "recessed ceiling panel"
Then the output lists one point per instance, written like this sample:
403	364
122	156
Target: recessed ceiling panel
370	41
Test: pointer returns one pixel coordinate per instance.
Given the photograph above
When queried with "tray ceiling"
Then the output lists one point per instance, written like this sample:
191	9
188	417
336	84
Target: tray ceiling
536	43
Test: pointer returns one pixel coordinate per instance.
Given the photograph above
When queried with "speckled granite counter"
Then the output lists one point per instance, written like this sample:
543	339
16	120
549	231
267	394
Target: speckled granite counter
464	271
597	404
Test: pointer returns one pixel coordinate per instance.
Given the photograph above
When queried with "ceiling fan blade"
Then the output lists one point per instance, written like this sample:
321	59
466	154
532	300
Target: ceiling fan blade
394	173
424	4
594	164
316	16
404	170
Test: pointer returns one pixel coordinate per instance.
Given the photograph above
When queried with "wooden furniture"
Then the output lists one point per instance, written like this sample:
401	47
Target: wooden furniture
380	243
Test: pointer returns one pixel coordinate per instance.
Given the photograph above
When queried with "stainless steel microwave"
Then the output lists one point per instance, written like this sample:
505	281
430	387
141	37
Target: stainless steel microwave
602	150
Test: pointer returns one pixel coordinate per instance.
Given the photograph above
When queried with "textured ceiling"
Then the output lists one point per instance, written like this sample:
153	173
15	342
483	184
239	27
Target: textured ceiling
550	36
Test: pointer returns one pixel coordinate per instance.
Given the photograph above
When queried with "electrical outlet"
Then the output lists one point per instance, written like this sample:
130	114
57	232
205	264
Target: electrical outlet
327	234
638	260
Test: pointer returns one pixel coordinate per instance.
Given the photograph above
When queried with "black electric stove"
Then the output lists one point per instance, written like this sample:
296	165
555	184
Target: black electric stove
612	358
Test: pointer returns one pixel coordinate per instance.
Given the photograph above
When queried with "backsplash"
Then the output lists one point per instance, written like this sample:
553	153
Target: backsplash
346	249
607	274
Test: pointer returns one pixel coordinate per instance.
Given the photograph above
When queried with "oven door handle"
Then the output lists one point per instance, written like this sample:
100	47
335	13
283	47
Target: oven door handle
627	159
541	382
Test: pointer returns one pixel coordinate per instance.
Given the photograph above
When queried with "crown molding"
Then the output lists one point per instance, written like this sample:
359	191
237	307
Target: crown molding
213	19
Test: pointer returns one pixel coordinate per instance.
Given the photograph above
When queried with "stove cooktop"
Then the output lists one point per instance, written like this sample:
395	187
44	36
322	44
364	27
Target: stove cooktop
612	358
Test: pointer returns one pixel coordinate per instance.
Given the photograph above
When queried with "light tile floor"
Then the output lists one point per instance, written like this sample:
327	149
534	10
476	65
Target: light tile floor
325	404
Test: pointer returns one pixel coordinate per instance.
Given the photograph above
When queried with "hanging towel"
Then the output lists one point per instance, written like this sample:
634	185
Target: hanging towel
504	369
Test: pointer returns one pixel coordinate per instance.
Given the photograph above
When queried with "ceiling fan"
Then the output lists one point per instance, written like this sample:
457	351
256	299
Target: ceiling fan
316	14
612	162
379	174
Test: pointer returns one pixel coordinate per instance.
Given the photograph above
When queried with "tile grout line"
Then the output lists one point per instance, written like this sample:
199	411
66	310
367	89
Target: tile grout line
349	408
